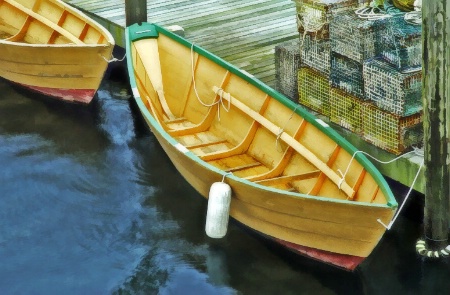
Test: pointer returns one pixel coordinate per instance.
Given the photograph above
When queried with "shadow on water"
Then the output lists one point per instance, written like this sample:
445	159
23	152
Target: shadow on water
26	112
69	125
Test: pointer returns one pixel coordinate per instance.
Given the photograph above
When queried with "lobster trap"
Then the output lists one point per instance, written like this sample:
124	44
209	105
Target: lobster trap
391	90
314	90
287	63
391	132
347	74
346	110
315	53
402	45
314	17
356	38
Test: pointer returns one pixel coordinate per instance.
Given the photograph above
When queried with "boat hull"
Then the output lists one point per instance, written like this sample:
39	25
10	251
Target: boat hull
278	192
347	262
83	96
68	73
338	234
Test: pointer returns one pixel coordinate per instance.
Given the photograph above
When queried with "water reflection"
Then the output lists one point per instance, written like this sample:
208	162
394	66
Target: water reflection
184	261
71	127
90	204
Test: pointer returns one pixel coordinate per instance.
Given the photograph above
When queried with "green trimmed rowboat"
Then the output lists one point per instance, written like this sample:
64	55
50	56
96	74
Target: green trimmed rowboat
290	176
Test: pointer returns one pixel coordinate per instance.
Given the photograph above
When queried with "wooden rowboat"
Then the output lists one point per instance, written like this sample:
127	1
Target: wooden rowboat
52	48
293	179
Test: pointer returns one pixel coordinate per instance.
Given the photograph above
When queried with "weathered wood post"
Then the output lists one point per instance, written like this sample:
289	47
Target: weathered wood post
436	98
135	11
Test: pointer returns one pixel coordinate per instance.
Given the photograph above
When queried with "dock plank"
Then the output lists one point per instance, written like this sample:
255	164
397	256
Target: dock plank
243	33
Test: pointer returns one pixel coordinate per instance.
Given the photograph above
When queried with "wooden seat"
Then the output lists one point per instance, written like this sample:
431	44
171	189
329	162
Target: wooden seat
242	165
44	21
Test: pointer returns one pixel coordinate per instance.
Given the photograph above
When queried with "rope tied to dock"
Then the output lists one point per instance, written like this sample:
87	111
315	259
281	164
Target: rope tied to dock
416	151
220	92
113	59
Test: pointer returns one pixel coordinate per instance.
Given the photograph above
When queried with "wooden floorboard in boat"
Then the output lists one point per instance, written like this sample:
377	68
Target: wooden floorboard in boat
243	33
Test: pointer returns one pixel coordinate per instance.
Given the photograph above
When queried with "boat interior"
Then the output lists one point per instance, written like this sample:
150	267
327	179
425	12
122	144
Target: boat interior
45	22
239	128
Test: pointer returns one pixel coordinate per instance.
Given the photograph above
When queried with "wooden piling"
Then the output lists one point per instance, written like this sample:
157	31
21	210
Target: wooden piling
135	11
435	96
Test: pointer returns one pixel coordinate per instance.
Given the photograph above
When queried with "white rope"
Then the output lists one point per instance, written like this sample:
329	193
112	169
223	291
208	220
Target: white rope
411	70
413	17
388	227
418	5
415	151
225	175
113	59
371	13
218	102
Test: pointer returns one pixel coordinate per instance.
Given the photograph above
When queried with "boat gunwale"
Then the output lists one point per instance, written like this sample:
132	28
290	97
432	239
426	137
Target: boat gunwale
300	110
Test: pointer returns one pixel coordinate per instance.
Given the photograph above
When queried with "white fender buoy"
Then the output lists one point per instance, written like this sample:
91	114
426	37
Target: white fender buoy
217	216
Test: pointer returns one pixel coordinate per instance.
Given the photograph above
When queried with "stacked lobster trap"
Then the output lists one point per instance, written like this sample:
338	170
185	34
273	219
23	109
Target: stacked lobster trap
287	62
313	22
364	74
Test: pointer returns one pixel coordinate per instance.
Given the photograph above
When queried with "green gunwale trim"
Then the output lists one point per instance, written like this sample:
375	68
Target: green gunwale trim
142	31
361	158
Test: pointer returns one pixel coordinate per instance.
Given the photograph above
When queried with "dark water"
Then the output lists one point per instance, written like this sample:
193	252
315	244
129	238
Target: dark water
90	204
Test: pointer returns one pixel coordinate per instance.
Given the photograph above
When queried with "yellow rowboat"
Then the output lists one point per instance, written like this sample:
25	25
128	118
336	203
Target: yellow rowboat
291	177
52	48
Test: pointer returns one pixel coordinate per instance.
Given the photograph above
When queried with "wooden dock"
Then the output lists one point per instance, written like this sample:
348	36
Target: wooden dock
245	34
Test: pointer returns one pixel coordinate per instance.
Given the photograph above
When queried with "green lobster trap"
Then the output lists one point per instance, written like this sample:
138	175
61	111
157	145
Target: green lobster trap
314	90
346	110
391	90
402	45
391	132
